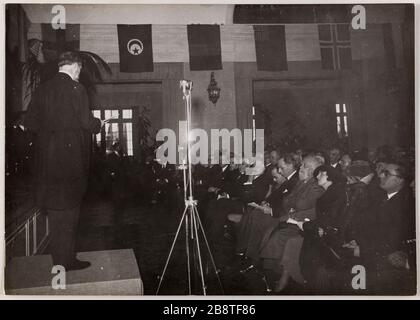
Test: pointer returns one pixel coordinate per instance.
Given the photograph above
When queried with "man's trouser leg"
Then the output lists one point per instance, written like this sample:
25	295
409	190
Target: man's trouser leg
63	230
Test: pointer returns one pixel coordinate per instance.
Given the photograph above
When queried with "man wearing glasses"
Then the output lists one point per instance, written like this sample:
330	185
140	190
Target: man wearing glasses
393	227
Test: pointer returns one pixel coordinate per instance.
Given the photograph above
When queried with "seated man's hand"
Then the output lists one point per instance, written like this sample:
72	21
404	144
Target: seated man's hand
223	195
354	246
295	222
267	210
253	204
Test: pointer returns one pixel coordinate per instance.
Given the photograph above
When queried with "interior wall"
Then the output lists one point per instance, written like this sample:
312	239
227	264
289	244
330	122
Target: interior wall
207	115
304	107
170	42
382	86
165	75
246	73
130	95
372	98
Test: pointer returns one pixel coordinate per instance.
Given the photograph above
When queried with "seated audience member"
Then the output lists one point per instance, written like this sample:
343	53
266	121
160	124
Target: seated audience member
337	244
288	167
210	181
299	206
257	187
384	152
392	227
374	189
359	194
200	178
116	168
413	187
227	200
380	164
321	232
371	155
151	172
344	163
259	217
334	155
274	159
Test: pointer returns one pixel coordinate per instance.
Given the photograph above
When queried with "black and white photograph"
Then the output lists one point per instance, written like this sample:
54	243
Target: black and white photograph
201	149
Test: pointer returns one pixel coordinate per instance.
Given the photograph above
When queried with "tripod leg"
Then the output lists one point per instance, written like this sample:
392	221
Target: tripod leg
187	245
203	284
210	254
170	252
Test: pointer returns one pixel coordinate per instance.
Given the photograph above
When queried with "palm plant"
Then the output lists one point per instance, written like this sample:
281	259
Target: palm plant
42	65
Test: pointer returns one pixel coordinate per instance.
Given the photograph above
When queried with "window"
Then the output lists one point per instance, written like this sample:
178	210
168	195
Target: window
334	40
342	123
118	129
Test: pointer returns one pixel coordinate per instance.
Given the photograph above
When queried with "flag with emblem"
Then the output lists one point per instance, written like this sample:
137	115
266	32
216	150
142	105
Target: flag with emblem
204	47
135	46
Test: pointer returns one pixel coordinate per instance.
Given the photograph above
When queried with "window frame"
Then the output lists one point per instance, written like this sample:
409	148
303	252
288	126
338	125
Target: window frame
120	121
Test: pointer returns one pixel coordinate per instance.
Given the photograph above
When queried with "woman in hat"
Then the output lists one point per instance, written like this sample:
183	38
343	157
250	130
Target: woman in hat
319	233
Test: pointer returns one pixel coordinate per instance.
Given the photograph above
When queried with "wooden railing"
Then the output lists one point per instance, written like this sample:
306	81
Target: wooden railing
30	237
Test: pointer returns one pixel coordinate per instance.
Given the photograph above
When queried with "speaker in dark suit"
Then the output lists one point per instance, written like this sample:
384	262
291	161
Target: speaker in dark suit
59	115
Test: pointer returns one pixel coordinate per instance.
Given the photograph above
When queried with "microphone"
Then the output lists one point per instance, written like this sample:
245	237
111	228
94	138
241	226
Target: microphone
186	85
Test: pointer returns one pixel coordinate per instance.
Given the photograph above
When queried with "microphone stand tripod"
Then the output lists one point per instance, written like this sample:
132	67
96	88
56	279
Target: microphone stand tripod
190	217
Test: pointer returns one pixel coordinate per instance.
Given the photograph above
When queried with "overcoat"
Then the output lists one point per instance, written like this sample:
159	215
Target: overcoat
59	115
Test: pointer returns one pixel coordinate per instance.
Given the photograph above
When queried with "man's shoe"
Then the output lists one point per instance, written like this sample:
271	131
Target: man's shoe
282	283
77	265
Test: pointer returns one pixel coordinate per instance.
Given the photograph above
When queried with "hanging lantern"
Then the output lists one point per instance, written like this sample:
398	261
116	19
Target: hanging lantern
213	90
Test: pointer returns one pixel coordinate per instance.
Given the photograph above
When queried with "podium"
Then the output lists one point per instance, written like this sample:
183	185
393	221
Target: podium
112	272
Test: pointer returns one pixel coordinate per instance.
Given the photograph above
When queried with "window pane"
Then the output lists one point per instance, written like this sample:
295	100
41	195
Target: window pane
344	54
128	137
127	114
115	114
344	108
97	113
345	126
343	32
107	114
111	135
98	139
337	108
114	129
324	31
327	58
338	125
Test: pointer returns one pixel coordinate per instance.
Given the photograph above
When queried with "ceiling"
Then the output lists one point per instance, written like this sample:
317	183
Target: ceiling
134	14
183	14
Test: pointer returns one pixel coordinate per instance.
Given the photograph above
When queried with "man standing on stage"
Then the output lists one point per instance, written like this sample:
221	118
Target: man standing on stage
59	115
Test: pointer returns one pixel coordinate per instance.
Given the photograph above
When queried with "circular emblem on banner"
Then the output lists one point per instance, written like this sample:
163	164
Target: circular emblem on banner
135	47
